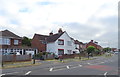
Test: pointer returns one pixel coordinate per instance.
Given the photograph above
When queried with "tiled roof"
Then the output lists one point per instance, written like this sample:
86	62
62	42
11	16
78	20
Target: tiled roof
50	38
7	33
77	42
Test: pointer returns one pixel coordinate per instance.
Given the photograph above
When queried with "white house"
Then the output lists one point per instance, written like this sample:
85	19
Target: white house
59	43
62	45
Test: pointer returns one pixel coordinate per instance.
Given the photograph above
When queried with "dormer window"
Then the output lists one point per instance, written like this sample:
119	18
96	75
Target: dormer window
15	42
60	42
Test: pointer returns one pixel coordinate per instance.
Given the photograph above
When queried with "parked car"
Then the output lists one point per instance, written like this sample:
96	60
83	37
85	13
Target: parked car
116	52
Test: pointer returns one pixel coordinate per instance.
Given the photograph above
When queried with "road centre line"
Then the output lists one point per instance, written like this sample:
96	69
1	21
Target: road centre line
68	67
105	74
51	69
9	73
2	75
28	72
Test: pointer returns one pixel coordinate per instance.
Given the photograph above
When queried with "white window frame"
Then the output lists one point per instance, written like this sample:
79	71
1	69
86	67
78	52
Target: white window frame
16	42
4	41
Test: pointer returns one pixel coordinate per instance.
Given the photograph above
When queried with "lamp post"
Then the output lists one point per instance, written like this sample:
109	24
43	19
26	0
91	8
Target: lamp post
34	56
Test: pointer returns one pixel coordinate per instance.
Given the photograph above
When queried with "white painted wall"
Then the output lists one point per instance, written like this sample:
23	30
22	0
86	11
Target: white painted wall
53	47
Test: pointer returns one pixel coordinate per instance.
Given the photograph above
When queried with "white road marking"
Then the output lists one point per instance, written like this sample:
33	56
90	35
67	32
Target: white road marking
2	75
51	69
28	72
68	67
80	65
105	74
102	62
88	63
9	73
59	69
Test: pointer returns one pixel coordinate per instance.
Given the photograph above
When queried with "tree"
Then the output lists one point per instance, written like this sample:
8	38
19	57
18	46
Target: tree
97	51
107	49
90	50
26	41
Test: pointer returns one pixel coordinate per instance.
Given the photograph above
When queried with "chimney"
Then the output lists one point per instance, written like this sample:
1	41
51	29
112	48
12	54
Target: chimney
60	30
92	41
51	33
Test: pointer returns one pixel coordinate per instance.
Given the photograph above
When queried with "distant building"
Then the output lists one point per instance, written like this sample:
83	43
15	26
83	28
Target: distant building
95	44
12	43
114	49
80	45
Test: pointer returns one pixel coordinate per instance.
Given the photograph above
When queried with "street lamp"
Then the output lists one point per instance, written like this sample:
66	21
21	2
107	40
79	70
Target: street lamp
34	56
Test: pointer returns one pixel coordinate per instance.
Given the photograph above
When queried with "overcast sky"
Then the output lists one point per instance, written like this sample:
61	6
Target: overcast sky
82	19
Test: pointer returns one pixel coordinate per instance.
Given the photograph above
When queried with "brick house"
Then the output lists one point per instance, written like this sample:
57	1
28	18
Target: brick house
12	43
80	45
95	44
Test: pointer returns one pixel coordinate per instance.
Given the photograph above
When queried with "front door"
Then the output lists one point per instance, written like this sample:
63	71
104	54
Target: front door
60	51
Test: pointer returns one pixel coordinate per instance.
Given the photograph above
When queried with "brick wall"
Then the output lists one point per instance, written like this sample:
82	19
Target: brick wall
36	43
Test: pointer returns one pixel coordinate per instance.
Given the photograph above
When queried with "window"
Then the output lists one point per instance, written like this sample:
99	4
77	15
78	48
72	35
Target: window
69	51
15	42
60	51
4	41
60	42
69	43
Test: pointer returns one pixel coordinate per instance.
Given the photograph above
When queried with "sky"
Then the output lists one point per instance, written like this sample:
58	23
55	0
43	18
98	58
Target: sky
83	20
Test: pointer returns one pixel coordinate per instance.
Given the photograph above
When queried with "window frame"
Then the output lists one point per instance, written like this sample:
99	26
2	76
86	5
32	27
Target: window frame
61	50
62	40
16	41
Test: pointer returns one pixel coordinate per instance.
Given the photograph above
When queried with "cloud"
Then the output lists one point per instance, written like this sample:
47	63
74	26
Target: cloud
82	19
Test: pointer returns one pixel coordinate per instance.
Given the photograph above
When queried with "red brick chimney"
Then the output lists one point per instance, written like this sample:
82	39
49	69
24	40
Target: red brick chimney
92	41
60	30
51	33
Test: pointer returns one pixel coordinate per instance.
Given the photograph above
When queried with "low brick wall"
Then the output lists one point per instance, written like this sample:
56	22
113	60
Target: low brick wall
14	58
74	55
69	56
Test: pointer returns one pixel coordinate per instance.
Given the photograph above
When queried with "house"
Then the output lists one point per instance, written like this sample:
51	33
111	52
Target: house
95	44
80	46
114	49
12	43
59	43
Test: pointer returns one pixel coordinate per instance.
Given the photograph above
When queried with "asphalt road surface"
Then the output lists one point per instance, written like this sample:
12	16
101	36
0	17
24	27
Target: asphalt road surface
100	66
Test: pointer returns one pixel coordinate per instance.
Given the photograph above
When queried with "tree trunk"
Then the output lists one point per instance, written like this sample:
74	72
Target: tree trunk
88	56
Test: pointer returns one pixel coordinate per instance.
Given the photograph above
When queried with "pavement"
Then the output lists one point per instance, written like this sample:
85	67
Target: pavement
101	65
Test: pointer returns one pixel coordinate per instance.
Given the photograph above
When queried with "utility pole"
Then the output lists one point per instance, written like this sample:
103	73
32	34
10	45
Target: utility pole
34	57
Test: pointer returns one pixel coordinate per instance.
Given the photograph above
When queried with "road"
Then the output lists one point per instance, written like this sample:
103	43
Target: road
100	66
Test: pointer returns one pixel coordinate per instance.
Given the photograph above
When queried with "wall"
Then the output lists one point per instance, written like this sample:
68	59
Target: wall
37	44
51	48
66	38
13	58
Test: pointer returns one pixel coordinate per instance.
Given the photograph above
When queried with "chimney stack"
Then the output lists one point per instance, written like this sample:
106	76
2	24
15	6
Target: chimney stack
60	30
92	41
51	33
